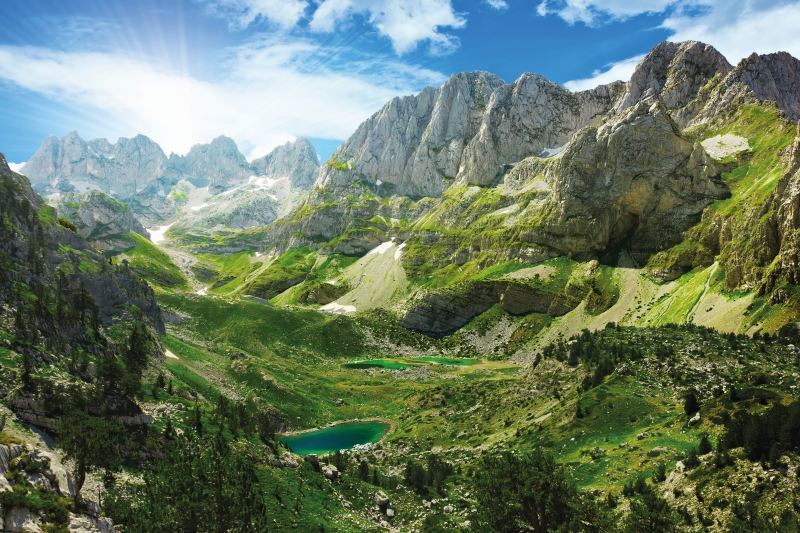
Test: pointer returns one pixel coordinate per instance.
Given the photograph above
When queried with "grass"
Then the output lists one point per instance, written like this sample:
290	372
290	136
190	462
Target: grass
152	264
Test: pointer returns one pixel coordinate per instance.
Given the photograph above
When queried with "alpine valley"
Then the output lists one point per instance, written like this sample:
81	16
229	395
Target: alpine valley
496	307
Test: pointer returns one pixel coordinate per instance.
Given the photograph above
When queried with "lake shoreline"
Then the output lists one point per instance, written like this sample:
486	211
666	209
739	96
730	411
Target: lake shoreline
391	423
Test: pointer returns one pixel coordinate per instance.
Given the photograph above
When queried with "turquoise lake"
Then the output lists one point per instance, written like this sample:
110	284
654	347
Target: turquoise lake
339	437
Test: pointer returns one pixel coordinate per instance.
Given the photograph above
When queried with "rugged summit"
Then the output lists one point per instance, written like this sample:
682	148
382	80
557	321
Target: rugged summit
217	165
769	77
295	159
72	164
137	172
468	130
674	72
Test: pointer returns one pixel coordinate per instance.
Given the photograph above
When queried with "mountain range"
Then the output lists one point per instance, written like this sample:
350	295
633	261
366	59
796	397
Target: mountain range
497	306
138	172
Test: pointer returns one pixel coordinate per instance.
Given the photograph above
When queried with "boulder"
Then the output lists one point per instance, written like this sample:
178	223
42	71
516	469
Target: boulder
330	472
21	520
382	500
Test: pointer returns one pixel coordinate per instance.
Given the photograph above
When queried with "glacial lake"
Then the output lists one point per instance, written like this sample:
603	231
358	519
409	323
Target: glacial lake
402	364
339	437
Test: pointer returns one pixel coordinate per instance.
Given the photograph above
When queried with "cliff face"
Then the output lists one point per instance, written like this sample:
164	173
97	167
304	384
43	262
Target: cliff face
72	164
99	218
61	271
468	130
297	160
634	183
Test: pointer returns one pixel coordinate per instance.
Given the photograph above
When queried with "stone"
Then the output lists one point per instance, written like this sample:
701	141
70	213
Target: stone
5	485
21	520
87	524
449	509
389	512
330	472
694	420
381	500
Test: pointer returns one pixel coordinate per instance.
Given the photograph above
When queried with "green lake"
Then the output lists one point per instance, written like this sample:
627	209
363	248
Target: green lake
339	437
388	364
448	361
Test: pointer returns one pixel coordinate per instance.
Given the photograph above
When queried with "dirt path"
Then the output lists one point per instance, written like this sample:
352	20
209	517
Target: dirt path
692	311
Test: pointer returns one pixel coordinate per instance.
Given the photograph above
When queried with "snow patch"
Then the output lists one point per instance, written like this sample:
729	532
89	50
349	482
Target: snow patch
721	146
202	291
381	248
338	309
550	152
169	355
16	167
157	234
399	252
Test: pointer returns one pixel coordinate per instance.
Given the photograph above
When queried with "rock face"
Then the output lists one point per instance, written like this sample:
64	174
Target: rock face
35	247
218	165
72	164
634	182
298	160
415	142
137	172
770	77
99	218
526	118
467	130
674	72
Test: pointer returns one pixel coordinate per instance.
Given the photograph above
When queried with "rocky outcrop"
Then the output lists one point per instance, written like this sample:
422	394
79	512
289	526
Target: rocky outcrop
218	165
468	130
768	257
440	312
769	77
674	73
634	183
526	118
72	164
34	467
296	160
99	218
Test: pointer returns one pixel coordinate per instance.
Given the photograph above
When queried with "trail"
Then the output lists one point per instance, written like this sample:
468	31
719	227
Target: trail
692	311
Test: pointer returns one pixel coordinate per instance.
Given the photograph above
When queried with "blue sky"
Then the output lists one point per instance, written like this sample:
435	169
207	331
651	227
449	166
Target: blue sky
264	71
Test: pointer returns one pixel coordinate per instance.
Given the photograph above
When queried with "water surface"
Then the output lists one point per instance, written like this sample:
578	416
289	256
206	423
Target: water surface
339	437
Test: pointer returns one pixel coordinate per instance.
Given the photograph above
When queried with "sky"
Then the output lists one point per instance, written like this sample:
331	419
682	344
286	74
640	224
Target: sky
266	71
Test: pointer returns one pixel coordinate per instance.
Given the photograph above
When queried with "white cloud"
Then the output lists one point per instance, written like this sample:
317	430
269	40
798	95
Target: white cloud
620	70
270	91
405	22
497	4
593	12
284	13
738	28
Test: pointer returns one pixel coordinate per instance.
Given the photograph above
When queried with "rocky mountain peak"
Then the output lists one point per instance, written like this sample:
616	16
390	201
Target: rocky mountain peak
296	159
4	168
674	72
773	77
